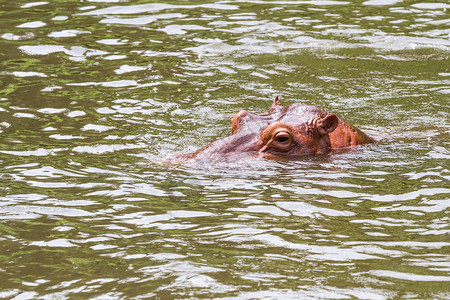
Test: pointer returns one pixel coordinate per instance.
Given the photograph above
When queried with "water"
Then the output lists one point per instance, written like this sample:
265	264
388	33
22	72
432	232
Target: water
94	94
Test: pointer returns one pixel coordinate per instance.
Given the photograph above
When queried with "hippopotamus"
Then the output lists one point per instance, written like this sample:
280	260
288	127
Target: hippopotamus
284	132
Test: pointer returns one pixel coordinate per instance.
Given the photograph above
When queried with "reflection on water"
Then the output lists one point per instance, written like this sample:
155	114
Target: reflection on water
93	94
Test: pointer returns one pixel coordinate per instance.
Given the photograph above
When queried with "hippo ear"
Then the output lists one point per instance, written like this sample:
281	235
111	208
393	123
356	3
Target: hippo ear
275	104
327	124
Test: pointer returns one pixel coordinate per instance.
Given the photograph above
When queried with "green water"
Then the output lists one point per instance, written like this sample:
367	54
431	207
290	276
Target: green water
94	94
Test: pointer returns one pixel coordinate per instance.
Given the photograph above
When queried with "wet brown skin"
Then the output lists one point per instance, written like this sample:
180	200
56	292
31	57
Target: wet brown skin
284	132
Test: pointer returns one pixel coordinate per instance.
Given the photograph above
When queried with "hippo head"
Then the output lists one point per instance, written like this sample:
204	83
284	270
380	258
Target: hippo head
284	132
294	130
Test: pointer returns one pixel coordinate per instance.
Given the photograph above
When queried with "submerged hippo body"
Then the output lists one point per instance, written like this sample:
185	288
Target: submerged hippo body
284	132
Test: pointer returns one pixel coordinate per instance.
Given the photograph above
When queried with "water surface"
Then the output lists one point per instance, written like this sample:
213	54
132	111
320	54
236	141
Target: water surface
94	94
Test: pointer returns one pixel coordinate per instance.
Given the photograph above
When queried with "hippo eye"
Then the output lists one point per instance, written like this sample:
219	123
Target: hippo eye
282	141
276	138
